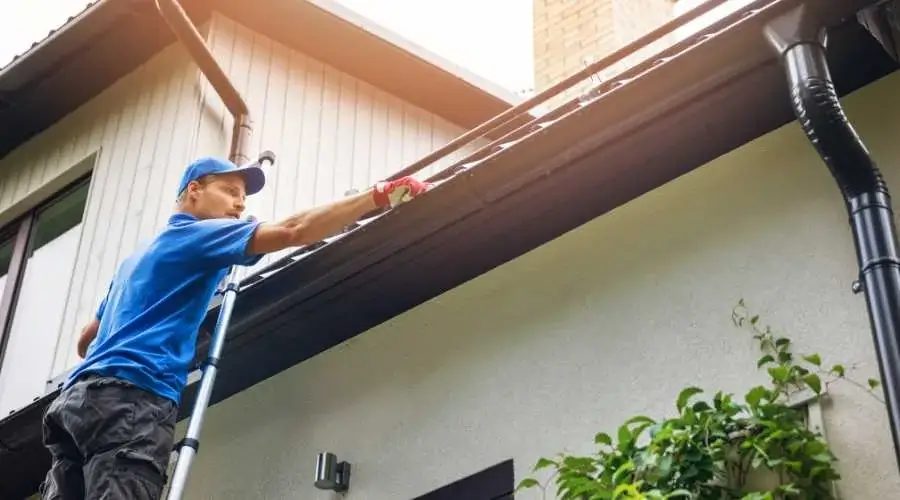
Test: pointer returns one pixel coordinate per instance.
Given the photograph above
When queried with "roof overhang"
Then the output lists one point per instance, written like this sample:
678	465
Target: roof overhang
110	39
673	117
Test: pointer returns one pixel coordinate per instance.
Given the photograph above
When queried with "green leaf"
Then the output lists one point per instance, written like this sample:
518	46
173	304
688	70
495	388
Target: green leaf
815	447
685	396
665	465
813	359
624	436
680	494
622	470
838	370
754	320
701	406
603	438
814	383
780	373
789	488
782	342
873	383
764	360
640	419
542	464
527	483
756	395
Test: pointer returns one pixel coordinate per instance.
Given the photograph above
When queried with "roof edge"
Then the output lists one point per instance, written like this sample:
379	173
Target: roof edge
400	42
468	99
60	31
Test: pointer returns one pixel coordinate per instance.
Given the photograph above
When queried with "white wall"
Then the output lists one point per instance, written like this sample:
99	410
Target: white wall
611	320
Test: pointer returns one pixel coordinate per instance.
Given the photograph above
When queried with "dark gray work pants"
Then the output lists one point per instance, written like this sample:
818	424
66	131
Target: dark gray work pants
108	440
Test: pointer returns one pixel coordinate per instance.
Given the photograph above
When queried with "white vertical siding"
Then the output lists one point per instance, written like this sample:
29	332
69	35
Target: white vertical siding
330	131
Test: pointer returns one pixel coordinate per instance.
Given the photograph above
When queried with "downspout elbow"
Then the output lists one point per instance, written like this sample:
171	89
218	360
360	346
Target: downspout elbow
190	38
801	43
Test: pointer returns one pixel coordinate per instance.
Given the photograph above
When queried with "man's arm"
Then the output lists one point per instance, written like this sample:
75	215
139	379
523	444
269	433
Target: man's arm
318	223
88	333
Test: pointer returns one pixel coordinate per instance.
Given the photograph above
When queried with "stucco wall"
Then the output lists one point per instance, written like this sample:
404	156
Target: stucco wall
611	320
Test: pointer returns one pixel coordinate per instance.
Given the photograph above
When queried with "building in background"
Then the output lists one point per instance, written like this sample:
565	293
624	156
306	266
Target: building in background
569	34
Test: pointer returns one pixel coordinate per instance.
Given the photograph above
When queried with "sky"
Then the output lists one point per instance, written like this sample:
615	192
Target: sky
496	43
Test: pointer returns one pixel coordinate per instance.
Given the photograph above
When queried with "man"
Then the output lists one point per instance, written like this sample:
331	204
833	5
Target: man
111	430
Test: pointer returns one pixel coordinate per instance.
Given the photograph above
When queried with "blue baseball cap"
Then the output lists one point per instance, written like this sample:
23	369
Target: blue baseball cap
254	177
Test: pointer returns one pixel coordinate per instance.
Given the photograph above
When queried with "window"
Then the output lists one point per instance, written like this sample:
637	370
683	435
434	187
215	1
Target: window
37	257
493	483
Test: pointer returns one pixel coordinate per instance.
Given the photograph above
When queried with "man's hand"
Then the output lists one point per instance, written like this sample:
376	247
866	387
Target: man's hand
393	193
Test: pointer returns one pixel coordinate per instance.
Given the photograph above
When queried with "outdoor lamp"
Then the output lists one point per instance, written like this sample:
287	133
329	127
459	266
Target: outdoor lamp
331	474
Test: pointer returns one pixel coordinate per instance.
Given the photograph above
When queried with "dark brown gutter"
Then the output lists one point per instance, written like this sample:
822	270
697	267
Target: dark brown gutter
181	25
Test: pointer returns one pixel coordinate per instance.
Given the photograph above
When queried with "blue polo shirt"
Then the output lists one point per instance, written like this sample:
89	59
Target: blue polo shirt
157	299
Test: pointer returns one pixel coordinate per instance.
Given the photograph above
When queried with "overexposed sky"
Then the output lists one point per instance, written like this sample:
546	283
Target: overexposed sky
489	37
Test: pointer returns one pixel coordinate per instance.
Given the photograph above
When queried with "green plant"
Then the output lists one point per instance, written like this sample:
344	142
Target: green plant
759	448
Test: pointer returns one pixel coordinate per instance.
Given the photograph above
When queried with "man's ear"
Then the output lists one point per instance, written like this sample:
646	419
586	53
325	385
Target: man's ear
193	188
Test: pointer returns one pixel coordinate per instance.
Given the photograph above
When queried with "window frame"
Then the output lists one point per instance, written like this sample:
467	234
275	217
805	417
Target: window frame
496	482
22	231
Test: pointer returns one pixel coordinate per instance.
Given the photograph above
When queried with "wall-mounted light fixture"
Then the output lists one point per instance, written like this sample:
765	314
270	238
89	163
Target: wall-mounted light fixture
331	474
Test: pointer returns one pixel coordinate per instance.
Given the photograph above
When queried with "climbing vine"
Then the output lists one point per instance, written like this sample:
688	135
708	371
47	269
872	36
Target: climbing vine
756	448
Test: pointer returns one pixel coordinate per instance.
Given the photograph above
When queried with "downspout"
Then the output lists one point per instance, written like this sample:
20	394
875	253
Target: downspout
185	31
800	42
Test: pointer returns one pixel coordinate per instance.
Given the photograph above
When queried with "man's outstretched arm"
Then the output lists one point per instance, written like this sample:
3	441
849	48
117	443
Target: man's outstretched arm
316	224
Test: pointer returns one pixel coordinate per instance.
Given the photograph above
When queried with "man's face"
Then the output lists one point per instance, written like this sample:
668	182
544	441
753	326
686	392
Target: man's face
216	197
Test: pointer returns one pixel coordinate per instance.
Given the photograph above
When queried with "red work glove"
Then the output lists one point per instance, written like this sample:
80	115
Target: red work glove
393	193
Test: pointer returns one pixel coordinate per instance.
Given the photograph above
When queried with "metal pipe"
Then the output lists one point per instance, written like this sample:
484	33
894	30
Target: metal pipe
800	41
184	30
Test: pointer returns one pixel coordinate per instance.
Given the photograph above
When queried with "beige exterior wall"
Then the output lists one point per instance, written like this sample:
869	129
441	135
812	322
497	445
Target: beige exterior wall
608	321
330	131
567	32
